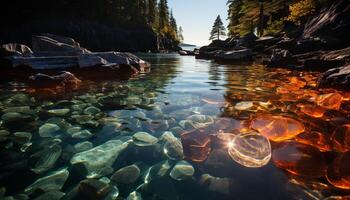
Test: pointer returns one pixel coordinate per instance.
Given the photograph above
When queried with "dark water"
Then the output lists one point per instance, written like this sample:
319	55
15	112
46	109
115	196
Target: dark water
179	95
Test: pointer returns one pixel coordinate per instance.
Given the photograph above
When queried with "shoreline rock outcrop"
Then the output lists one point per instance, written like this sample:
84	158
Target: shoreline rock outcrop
52	54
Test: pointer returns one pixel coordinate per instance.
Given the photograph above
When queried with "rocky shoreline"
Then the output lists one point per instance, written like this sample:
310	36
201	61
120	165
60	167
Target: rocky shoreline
323	45
47	63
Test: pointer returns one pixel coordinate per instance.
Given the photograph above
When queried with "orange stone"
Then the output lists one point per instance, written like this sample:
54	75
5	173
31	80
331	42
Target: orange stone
330	101
299	159
213	102
315	139
277	128
196	145
295	81
341	138
338	173
312	110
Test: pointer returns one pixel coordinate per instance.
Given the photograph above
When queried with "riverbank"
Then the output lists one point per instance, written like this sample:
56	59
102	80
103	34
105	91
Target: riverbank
322	45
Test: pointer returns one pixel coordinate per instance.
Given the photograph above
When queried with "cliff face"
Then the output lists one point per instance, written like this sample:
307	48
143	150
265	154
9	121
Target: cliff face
95	36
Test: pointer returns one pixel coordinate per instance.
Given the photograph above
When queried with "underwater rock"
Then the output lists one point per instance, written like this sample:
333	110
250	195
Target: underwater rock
299	159
144	139
18	109
53	181
201	121
338	173
83	134
244	105
51	195
93	189
91	110
331	101
277	128
173	147
250	149
58	112
16	119
4	135
182	170
196	145
312	110
46	158
83	146
22	137
49	130
315	139
134	196
341	138
126	175
215	184
98	160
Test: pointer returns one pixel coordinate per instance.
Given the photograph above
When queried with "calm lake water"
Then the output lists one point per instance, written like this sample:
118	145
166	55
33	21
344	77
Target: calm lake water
189	129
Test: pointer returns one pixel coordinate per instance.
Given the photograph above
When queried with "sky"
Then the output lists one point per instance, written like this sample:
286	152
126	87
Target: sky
197	18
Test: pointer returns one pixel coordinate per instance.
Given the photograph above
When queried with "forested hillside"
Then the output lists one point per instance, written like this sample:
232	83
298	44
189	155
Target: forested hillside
98	24
266	17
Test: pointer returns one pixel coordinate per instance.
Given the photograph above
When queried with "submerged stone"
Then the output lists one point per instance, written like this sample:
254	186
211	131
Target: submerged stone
83	146
200	121
93	189
196	145
52	182
173	147
277	128
49	130
98	160
83	134
216	184
144	139
341	138
134	196
126	175
91	110
312	110
244	105
338	173
22	137
59	112
46	158
51	195
250	149
299	159
315	139
182	170
330	101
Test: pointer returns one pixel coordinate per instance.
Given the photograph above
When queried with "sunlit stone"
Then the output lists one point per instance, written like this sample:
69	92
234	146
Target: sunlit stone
341	138
244	105
172	146
299	159
49	130
59	112
144	139
250	149
315	139
54	181
277	128
182	170
338	173
200	121
330	101
126	175
295	81
312	110
196	145
98	160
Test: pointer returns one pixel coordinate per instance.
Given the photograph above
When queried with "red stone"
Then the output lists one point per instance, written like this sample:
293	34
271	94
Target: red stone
341	138
277	128
299	159
338	173
315	139
330	101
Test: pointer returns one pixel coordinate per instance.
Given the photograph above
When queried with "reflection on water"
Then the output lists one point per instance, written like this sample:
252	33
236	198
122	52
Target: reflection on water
190	129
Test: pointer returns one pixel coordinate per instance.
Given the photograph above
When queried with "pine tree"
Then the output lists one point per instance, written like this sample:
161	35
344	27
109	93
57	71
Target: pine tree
173	25
151	13
218	29
163	16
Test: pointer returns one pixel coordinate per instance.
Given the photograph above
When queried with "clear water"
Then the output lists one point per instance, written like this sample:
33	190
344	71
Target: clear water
176	88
